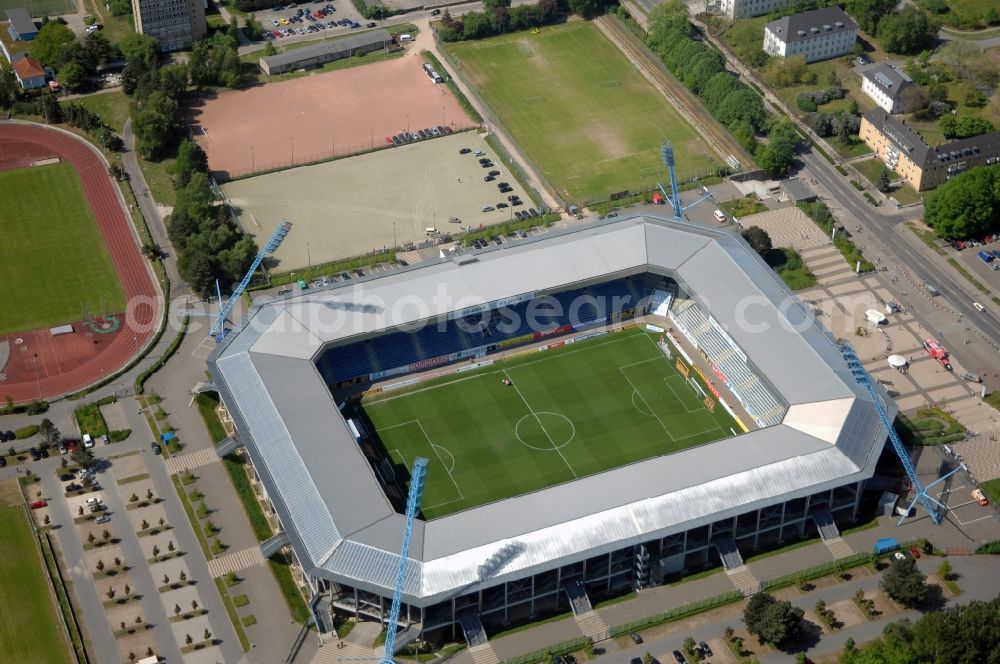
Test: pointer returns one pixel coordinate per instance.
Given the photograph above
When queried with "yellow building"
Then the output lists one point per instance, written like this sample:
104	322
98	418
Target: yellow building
920	165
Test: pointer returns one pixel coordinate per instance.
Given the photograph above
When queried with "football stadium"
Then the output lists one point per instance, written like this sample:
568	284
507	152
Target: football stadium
602	407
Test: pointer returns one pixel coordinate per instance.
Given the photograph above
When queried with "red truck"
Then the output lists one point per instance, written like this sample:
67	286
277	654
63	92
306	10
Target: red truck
938	352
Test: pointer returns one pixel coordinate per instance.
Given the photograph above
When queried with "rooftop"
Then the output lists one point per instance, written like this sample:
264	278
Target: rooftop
21	20
811	24
889	79
27	67
342	524
342	45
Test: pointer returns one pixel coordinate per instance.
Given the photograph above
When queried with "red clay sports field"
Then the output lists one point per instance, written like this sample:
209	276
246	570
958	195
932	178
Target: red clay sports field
40	365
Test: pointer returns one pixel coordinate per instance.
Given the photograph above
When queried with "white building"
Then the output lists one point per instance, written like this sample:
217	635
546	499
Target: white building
818	35
750	8
887	86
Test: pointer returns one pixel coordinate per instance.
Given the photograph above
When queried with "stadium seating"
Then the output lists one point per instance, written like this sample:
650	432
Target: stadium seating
401	348
757	398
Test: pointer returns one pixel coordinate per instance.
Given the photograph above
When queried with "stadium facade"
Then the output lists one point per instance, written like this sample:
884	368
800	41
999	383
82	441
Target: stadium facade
815	439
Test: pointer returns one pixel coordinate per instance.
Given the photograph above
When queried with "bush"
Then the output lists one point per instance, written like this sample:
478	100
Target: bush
118	435
989	547
26	432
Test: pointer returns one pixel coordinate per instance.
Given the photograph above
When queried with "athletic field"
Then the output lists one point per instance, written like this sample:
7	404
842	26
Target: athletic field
54	265
580	110
29	628
575	411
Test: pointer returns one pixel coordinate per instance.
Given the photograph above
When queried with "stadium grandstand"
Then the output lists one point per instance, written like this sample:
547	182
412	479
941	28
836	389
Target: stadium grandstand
603	407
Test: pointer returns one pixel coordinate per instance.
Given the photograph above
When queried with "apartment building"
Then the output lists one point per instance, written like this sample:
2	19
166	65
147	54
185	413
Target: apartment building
889	88
749	8
174	24
820	34
920	165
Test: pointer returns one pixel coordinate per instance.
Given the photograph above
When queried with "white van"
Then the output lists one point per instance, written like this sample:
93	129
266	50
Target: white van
430	230
405	37
720	216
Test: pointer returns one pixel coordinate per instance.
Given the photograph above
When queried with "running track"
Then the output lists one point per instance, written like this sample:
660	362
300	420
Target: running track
144	303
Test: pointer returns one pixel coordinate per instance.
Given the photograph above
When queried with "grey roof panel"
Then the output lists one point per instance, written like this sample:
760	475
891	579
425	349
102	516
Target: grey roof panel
336	46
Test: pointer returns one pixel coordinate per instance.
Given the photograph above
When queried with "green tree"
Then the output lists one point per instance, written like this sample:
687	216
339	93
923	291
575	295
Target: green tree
868	12
173	80
9	87
965	205
83	457
157	125
773	621
73	76
904	583
49	433
253	28
758	239
777	155
269	48
883	184
53	37
909	31
190	159
585	8
199	271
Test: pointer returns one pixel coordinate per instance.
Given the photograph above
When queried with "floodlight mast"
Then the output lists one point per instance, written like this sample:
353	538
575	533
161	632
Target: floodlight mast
667	152
935	508
219	326
416	494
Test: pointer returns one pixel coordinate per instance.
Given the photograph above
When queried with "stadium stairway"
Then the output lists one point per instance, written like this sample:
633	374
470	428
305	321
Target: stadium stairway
331	654
484	654
744	580
592	625
838	548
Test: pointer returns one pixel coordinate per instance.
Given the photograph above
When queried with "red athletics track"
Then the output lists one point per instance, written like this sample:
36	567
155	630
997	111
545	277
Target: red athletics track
61	364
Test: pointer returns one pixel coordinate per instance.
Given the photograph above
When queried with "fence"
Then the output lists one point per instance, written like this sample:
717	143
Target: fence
850	562
677	613
544	654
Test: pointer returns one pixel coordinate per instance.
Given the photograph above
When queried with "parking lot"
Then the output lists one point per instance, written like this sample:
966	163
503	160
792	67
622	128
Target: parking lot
332	18
387	198
310	19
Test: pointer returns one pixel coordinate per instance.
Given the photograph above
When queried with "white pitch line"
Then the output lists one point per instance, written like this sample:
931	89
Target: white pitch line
539	420
438	455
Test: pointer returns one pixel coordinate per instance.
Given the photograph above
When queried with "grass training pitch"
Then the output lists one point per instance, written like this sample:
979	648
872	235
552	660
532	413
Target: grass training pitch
580	110
575	411
52	257
29	628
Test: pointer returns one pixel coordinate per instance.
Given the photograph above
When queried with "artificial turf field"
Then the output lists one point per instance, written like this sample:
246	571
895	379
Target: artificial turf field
29	628
571	412
53	262
580	110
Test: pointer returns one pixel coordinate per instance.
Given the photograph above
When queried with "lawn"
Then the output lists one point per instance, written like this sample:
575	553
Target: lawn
743	207
872	169
29	624
789	265
570	413
580	111
111	106
992	489
39	8
52	258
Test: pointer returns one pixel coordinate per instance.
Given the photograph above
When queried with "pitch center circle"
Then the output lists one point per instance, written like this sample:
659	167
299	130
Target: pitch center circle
545	431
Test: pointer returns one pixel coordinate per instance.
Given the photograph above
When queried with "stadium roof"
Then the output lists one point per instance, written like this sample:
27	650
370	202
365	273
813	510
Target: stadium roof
343	526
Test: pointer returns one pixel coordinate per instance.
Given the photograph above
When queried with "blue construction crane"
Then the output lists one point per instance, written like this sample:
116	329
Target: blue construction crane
667	150
934	507
417	477
219	326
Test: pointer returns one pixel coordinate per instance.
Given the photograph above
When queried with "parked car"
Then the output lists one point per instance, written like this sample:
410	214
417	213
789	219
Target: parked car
35	454
980	497
38	503
679	657
705	650
914	552
636	639
156	448
3	462
464	151
104	518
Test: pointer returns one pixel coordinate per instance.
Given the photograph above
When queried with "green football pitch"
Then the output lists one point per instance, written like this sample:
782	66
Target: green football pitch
579	109
571	412
29	628
39	8
54	266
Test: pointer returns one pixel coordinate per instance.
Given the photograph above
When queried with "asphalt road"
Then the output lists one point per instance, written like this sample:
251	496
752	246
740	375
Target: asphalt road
884	236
